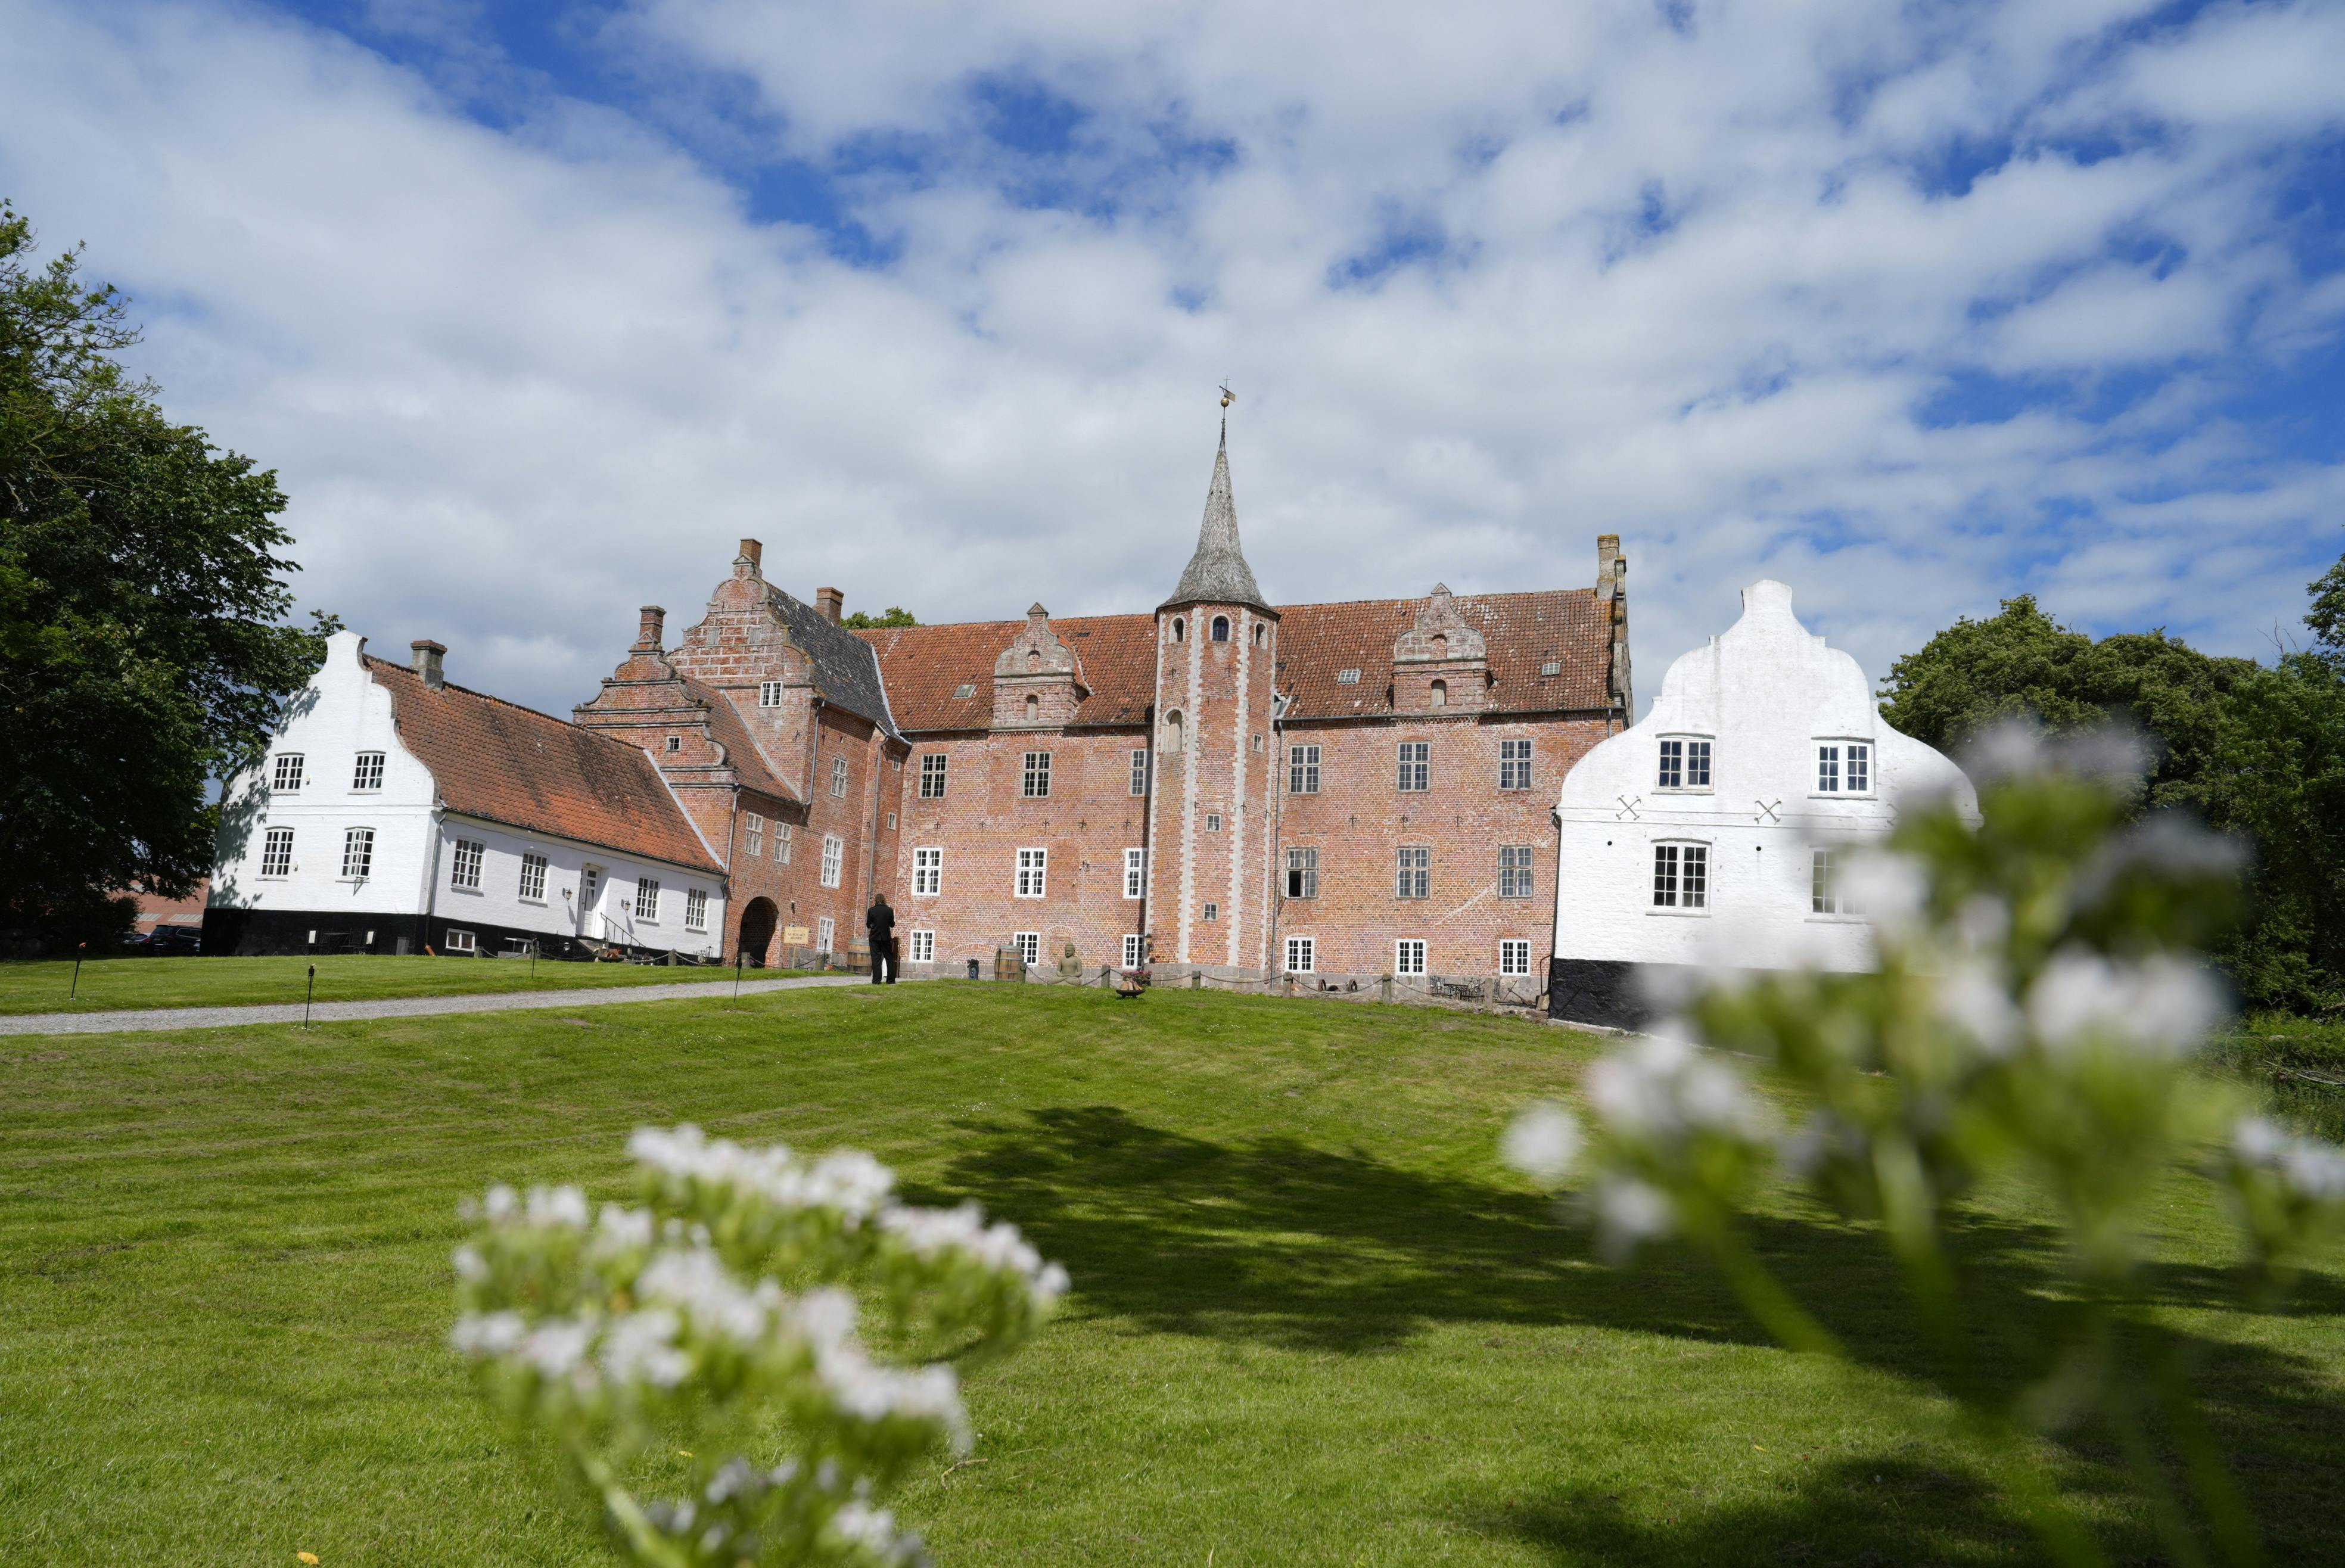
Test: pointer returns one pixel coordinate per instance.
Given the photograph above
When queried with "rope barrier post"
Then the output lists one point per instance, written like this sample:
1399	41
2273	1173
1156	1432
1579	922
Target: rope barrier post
75	990
310	997
740	956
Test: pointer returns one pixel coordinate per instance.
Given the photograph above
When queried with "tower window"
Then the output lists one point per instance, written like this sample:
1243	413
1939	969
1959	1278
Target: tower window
1221	628
1173	731
1180	628
1260	634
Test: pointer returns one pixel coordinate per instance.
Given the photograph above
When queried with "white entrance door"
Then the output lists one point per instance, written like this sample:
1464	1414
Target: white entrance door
590	888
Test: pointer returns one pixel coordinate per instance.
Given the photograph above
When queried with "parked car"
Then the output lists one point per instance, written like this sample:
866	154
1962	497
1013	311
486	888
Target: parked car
168	939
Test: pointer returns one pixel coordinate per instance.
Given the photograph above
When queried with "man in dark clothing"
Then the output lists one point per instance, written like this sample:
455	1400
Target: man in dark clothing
880	924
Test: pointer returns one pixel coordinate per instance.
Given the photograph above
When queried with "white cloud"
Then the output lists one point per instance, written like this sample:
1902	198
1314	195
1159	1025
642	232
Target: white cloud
519	379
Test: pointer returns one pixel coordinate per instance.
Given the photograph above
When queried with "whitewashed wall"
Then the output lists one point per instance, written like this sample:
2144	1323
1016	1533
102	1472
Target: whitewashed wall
1765	693
609	916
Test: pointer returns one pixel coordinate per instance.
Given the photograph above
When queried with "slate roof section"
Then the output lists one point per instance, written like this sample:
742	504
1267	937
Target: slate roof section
503	762
845	671
741	749
1218	572
1567	627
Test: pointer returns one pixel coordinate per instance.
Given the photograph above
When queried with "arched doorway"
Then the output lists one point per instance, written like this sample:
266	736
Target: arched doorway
757	939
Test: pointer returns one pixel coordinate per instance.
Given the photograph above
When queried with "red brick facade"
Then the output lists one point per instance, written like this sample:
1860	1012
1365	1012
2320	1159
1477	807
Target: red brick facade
1252	731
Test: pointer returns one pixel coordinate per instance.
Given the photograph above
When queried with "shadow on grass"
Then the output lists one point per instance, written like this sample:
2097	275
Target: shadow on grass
1281	1243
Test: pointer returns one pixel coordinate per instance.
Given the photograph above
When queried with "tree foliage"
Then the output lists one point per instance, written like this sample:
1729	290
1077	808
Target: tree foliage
864	621
143	644
2256	750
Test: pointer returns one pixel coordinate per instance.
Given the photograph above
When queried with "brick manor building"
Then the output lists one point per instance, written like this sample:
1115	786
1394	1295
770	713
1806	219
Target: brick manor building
1351	789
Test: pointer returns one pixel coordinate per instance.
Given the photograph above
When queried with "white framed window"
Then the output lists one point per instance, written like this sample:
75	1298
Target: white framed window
1303	770
1133	957
932	777
1303	873
1843	767
838	777
1213	910
891	822
1416	877
1514	959
1828	770
1348	677
695	910
783	835
1824	893
927	871
277	853
1037	781
1029	946
834	854
1516	875
647	899
1408	955
1415	766
826	934
287	777
367	774
1140	772
1858	772
1684	764
769	693
461	941
924	948
533	878
1033	872
1680	877
675	743
465	869
753	837
1513	765
358	853
1135	872
1213	821
1302	955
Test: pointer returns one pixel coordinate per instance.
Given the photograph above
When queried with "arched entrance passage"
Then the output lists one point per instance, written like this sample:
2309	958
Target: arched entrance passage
757	940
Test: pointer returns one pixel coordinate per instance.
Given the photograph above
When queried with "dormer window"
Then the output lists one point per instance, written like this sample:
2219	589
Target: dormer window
1348	677
1221	628
966	689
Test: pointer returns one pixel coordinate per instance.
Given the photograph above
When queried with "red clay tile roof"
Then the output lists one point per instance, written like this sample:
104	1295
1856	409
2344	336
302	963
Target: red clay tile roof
925	665
725	726
505	763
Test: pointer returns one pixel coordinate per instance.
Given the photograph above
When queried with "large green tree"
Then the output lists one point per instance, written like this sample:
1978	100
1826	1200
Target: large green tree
143	649
2258	750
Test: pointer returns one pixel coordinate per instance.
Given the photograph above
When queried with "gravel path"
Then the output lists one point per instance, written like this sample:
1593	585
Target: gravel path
393	1007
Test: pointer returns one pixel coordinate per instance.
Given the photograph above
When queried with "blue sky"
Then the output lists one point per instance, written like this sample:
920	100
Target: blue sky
538	308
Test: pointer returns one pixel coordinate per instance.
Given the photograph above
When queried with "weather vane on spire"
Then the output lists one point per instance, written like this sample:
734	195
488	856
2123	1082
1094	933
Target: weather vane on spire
1228	397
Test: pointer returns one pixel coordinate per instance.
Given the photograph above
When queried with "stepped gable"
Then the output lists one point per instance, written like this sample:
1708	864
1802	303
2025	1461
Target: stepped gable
741	751
1115	656
843	667
506	763
1519	632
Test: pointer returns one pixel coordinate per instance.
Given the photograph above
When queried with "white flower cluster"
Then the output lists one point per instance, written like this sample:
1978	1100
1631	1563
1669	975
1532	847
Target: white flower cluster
2160	1005
849	1181
2313	1170
932	1232
1663	1089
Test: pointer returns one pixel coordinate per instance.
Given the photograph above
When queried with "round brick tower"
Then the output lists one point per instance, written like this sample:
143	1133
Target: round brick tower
1210	851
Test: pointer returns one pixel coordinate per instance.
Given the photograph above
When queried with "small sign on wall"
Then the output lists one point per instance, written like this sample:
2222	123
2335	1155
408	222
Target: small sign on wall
796	936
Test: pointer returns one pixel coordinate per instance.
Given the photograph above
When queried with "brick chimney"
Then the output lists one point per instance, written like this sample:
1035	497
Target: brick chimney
647	635
427	661
830	601
751	561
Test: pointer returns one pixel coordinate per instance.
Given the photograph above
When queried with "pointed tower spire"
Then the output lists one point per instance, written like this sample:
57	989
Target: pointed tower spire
1218	572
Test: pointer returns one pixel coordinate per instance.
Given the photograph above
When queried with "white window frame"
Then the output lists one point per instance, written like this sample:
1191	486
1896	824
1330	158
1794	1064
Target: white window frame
927	871
783	835
277	854
459	940
1518	871
696	909
1408	955
366	773
287	777
933	767
1303	871
1134	957
1844	766
923	947
1416	767
834	858
839	778
769	693
1213	910
1135	872
825	935
1827	898
1140	771
1032	879
647	900
1035	783
754	834
1413	875
1302	955
1029	944
465	863
1856	767
1301	770
358	853
530	887
1513	958
1827	768
1677	887
1213	821
1515	757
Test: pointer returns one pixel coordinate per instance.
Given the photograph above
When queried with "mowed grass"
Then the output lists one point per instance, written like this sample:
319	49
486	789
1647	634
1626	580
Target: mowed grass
1314	1320
112	985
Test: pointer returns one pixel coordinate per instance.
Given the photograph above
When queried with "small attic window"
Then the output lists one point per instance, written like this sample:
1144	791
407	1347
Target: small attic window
1552	667
966	689
1348	677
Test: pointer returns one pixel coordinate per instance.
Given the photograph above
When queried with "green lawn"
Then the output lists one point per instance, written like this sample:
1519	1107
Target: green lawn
110	984
1314	1320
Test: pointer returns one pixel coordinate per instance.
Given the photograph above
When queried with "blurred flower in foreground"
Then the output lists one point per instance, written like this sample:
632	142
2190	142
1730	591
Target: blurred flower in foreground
2037	998
725	1310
